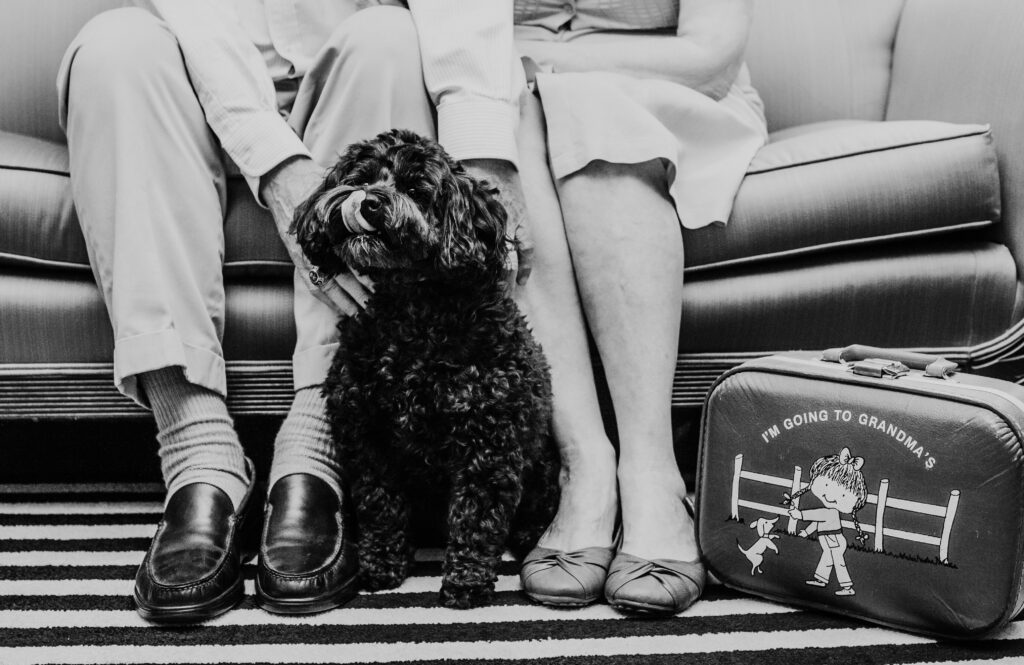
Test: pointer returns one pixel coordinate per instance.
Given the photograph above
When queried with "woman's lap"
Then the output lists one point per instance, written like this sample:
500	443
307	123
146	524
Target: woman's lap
705	145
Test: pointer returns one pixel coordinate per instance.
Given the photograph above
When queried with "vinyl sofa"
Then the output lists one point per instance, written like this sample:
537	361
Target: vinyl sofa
888	209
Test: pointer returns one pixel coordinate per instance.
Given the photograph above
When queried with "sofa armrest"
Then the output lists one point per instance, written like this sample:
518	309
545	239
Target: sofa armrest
963	61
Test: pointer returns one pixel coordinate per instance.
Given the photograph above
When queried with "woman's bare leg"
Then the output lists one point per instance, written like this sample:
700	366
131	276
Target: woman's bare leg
628	253
588	505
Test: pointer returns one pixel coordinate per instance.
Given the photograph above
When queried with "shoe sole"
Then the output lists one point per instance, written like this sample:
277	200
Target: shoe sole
340	596
560	601
645	609
183	614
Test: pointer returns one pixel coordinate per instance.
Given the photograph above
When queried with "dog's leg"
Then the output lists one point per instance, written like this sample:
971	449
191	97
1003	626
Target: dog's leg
485	493
381	507
382	513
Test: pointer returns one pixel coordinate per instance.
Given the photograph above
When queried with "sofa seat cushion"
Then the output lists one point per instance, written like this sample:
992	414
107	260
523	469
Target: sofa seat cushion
39	228
846	183
812	188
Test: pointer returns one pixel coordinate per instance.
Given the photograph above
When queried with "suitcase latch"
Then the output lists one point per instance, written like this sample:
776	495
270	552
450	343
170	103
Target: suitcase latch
879	368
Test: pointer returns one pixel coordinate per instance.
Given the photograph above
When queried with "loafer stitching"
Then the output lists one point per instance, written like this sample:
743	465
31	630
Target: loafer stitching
336	553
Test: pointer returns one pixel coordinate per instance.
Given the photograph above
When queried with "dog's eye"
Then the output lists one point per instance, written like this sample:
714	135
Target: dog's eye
422	197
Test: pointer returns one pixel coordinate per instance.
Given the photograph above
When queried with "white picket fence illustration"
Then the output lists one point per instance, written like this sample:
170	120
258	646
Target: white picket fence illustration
883	502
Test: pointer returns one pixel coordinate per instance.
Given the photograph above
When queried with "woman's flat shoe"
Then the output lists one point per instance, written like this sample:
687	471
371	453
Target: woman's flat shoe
662	586
565	579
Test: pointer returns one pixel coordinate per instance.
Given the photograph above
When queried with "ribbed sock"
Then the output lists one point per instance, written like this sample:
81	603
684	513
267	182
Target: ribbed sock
198	442
304	443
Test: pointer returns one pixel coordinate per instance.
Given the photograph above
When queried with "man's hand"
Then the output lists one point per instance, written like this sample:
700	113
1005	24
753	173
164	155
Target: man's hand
501	174
283	189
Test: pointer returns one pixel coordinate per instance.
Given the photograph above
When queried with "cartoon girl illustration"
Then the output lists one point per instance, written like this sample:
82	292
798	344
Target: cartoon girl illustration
837	482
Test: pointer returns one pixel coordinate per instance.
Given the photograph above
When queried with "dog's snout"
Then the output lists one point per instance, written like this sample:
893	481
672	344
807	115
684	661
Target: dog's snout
372	209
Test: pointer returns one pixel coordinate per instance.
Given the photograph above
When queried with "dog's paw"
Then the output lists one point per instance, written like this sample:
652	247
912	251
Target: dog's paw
463	597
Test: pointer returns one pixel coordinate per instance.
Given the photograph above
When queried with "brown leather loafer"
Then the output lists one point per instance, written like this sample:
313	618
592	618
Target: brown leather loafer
307	558
193	569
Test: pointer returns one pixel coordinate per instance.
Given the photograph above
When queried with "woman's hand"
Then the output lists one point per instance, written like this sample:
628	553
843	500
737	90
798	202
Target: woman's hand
705	53
283	189
503	175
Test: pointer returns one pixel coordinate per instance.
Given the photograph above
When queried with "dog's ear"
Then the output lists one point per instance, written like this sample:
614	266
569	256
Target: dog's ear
310	230
474	228
490	221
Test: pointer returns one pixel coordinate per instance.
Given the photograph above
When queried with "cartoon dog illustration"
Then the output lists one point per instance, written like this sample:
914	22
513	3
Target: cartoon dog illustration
755	554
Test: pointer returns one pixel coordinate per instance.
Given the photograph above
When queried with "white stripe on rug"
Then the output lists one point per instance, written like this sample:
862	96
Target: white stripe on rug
122	531
80	558
420	651
36	619
77	531
79	488
134	557
75	508
1015	660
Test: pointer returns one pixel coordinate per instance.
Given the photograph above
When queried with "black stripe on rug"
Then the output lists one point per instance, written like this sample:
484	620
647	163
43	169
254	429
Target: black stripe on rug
873	655
124	602
75	545
106	496
126	572
511	631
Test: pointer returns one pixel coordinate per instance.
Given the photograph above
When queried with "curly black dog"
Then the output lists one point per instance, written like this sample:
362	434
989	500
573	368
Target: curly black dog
439	381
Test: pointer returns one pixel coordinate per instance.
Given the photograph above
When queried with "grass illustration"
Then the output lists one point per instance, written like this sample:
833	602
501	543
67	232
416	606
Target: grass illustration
854	544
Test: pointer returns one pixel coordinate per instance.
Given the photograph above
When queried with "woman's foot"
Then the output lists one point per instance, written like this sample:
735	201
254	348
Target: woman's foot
656	524
569	565
588	505
657	569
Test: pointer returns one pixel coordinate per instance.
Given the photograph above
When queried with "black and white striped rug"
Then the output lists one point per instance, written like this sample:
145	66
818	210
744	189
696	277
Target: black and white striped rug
68	555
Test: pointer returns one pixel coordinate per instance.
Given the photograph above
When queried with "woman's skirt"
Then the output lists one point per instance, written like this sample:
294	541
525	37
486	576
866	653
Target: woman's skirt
705	145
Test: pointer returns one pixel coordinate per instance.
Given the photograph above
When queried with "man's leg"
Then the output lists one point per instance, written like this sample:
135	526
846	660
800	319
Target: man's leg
367	79
148	186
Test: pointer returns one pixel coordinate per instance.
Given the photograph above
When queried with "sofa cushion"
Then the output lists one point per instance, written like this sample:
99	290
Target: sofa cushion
843	183
945	294
38	225
39	228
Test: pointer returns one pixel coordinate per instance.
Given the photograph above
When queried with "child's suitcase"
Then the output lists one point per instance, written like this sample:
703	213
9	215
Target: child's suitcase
879	484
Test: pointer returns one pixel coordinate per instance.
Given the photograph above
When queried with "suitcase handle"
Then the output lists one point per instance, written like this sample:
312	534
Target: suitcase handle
935	366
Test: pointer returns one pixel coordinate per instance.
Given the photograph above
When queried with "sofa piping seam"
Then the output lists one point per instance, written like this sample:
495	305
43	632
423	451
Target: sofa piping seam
869	151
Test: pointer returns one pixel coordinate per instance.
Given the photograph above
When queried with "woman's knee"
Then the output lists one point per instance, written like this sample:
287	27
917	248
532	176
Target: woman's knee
650	175
120	47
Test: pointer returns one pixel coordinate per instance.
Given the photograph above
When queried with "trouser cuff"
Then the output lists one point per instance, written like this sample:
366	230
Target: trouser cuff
151	351
310	366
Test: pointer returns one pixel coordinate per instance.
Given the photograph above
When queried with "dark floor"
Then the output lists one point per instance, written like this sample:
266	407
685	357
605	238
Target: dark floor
124	450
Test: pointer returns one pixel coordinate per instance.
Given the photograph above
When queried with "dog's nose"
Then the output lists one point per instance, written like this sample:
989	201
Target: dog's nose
372	209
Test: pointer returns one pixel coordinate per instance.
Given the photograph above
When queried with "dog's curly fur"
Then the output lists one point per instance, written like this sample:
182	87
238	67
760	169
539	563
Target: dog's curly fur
439	381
